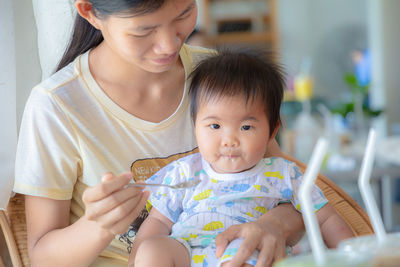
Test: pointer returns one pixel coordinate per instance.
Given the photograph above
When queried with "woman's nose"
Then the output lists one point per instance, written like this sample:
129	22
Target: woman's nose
168	42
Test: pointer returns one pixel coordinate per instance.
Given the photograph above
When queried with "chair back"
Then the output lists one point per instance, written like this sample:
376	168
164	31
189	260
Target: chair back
13	226
344	205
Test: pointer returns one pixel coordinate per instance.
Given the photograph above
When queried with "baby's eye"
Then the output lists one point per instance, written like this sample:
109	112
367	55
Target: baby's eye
246	127
215	126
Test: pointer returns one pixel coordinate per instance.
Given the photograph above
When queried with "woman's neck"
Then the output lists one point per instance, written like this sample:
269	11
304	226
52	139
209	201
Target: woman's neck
149	96
108	66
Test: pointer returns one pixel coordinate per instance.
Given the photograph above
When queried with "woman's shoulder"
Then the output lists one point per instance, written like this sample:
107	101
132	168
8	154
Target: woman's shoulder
60	86
60	78
196	53
198	49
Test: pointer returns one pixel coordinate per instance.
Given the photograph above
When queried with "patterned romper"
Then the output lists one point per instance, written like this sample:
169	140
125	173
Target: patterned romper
220	200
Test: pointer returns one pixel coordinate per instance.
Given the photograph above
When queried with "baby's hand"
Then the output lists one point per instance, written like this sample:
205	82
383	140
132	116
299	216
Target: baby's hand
112	205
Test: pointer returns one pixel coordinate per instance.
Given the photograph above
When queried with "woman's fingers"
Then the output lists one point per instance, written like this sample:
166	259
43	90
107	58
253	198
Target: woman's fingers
251	239
113	201
271	247
119	212
121	216
280	252
107	176
113	205
122	225
223	239
109	184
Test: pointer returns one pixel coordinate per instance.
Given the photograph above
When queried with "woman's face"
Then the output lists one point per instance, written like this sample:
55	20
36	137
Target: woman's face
151	41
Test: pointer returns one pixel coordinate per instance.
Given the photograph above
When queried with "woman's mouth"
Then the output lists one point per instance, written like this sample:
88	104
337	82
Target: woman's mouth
165	60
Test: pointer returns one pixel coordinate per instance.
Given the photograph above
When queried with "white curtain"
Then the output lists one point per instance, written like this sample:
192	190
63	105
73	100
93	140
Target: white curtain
8	124
54	20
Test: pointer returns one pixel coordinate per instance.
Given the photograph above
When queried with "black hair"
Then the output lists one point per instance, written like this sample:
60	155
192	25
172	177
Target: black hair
252	73
85	36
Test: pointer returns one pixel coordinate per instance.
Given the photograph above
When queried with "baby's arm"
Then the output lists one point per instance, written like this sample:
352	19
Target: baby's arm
333	228
155	224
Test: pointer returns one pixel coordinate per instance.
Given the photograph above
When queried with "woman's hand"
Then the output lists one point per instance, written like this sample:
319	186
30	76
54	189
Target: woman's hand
112	205
267	239
269	235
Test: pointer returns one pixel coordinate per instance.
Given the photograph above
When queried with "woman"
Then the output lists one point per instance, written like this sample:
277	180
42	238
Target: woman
118	102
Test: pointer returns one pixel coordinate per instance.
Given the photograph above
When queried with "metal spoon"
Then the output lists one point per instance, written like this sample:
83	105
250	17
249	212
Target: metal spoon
183	185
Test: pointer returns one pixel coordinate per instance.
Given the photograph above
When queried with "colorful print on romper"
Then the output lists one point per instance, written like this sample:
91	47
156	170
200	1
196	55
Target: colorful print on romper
261	209
261	188
269	161
212	226
229	253
207	240
200	259
203	195
287	193
276	174
219	202
297	173
236	188
200	172
174	213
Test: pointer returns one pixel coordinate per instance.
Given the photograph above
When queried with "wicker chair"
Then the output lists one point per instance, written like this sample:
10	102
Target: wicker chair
13	226
13	223
344	205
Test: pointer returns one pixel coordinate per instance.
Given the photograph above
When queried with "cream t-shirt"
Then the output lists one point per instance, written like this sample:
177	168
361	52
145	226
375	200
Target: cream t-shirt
72	133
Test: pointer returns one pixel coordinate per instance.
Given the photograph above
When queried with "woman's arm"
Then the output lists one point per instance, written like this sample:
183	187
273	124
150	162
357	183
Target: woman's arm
51	242
110	208
155	224
270	234
333	228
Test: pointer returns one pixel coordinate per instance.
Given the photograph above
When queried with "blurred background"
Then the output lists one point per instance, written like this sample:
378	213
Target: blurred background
342	63
341	57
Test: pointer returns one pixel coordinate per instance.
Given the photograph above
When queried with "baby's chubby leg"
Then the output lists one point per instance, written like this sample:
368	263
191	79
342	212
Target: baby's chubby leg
162	251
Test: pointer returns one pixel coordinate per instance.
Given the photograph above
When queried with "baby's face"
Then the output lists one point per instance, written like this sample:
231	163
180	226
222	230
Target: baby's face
231	135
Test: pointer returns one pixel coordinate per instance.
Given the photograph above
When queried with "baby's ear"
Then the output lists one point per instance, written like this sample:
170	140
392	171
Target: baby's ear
275	131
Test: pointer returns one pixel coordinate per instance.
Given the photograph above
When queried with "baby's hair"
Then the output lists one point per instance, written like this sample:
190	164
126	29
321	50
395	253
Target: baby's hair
251	73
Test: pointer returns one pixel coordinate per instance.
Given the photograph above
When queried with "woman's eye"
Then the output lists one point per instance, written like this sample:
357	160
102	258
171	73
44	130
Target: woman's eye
246	127
183	17
215	126
142	34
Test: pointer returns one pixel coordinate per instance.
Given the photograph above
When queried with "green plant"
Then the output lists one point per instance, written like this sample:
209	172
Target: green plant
358	92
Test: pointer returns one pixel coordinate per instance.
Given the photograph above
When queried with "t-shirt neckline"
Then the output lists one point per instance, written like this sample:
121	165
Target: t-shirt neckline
122	114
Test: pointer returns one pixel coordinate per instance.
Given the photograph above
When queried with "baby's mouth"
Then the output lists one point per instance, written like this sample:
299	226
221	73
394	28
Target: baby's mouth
231	157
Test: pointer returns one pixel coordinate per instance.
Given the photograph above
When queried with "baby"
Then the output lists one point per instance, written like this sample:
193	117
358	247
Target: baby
235	102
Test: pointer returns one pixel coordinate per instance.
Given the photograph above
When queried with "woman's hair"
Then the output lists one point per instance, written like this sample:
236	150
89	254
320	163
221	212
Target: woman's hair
85	36
251	73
